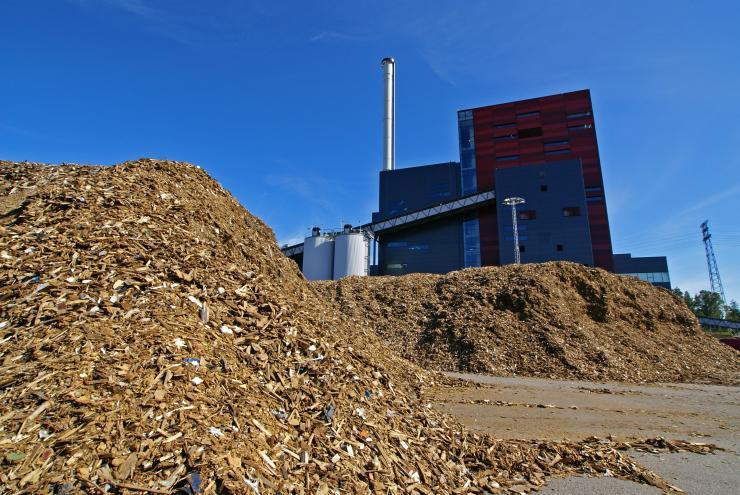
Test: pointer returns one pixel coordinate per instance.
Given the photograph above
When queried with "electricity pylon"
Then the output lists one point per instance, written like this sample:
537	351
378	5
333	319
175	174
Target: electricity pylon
714	279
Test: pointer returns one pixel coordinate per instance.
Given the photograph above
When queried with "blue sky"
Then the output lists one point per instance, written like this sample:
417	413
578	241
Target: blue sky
281	101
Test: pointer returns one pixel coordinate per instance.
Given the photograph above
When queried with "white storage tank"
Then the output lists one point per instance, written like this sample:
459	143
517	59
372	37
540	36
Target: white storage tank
351	251
318	256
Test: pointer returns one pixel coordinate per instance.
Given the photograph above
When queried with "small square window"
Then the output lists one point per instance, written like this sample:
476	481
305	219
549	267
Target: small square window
559	247
572	211
579	115
543	188
527	215
522	248
531	132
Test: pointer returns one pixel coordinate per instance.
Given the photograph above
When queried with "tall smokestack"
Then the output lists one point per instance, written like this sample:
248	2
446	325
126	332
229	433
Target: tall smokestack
389	114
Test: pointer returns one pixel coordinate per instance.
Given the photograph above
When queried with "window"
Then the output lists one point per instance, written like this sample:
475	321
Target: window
508	137
556	143
469	182
580	127
507	158
592	189
471	241
557	152
464	115
572	211
467	159
467	138
505	126
527	114
396	266
531	132
579	115
467	152
652	277
522	248
396	244
419	247
543	188
595	199
559	247
526	215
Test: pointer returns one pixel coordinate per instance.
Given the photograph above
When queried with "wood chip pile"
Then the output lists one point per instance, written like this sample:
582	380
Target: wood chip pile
555	320
154	339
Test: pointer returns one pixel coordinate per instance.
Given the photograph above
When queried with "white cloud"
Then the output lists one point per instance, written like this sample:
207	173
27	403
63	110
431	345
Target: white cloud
330	35
135	7
713	199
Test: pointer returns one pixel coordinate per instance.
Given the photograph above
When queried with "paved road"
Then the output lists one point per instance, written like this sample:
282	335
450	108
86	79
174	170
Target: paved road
578	409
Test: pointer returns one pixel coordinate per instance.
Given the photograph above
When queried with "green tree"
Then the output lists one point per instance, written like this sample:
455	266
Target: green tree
686	298
708	304
732	311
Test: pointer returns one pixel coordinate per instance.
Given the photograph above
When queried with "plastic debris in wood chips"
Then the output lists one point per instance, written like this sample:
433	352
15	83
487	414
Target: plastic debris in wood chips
153	339
555	320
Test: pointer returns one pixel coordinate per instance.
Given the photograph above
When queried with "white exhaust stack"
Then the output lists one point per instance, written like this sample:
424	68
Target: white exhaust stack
389	117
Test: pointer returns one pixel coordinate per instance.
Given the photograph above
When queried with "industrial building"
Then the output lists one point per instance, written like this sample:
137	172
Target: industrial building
446	216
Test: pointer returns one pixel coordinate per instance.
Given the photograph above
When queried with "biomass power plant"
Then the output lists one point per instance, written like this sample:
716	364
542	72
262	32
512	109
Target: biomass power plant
446	216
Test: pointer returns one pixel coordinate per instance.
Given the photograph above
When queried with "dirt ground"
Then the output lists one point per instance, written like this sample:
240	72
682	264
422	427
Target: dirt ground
553	409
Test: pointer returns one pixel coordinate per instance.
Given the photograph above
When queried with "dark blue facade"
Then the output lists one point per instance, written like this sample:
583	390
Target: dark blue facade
413	188
434	247
653	269
553	223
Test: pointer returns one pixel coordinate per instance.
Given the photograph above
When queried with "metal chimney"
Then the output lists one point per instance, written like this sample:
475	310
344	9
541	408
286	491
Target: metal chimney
389	114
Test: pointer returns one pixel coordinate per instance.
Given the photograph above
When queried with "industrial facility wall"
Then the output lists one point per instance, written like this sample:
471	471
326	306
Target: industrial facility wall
547	129
653	269
553	223
409	189
434	247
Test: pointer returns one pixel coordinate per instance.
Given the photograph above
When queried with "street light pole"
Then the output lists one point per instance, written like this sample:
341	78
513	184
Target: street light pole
513	202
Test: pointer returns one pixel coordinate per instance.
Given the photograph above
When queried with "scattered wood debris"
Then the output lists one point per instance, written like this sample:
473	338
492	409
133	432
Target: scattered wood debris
660	444
117	377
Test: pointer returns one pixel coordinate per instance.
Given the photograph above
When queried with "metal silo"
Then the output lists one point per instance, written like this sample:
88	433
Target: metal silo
318	256
351	251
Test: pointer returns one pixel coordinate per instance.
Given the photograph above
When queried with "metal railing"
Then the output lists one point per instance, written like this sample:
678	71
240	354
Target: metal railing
714	322
451	207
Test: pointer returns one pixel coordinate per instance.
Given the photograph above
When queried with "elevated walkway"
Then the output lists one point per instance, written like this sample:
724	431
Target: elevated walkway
408	220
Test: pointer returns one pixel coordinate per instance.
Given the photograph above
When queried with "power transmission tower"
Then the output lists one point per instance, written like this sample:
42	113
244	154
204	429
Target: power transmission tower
513	202
714	279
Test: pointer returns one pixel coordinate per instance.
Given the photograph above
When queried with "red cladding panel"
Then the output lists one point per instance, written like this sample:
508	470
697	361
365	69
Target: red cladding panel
489	251
518	133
